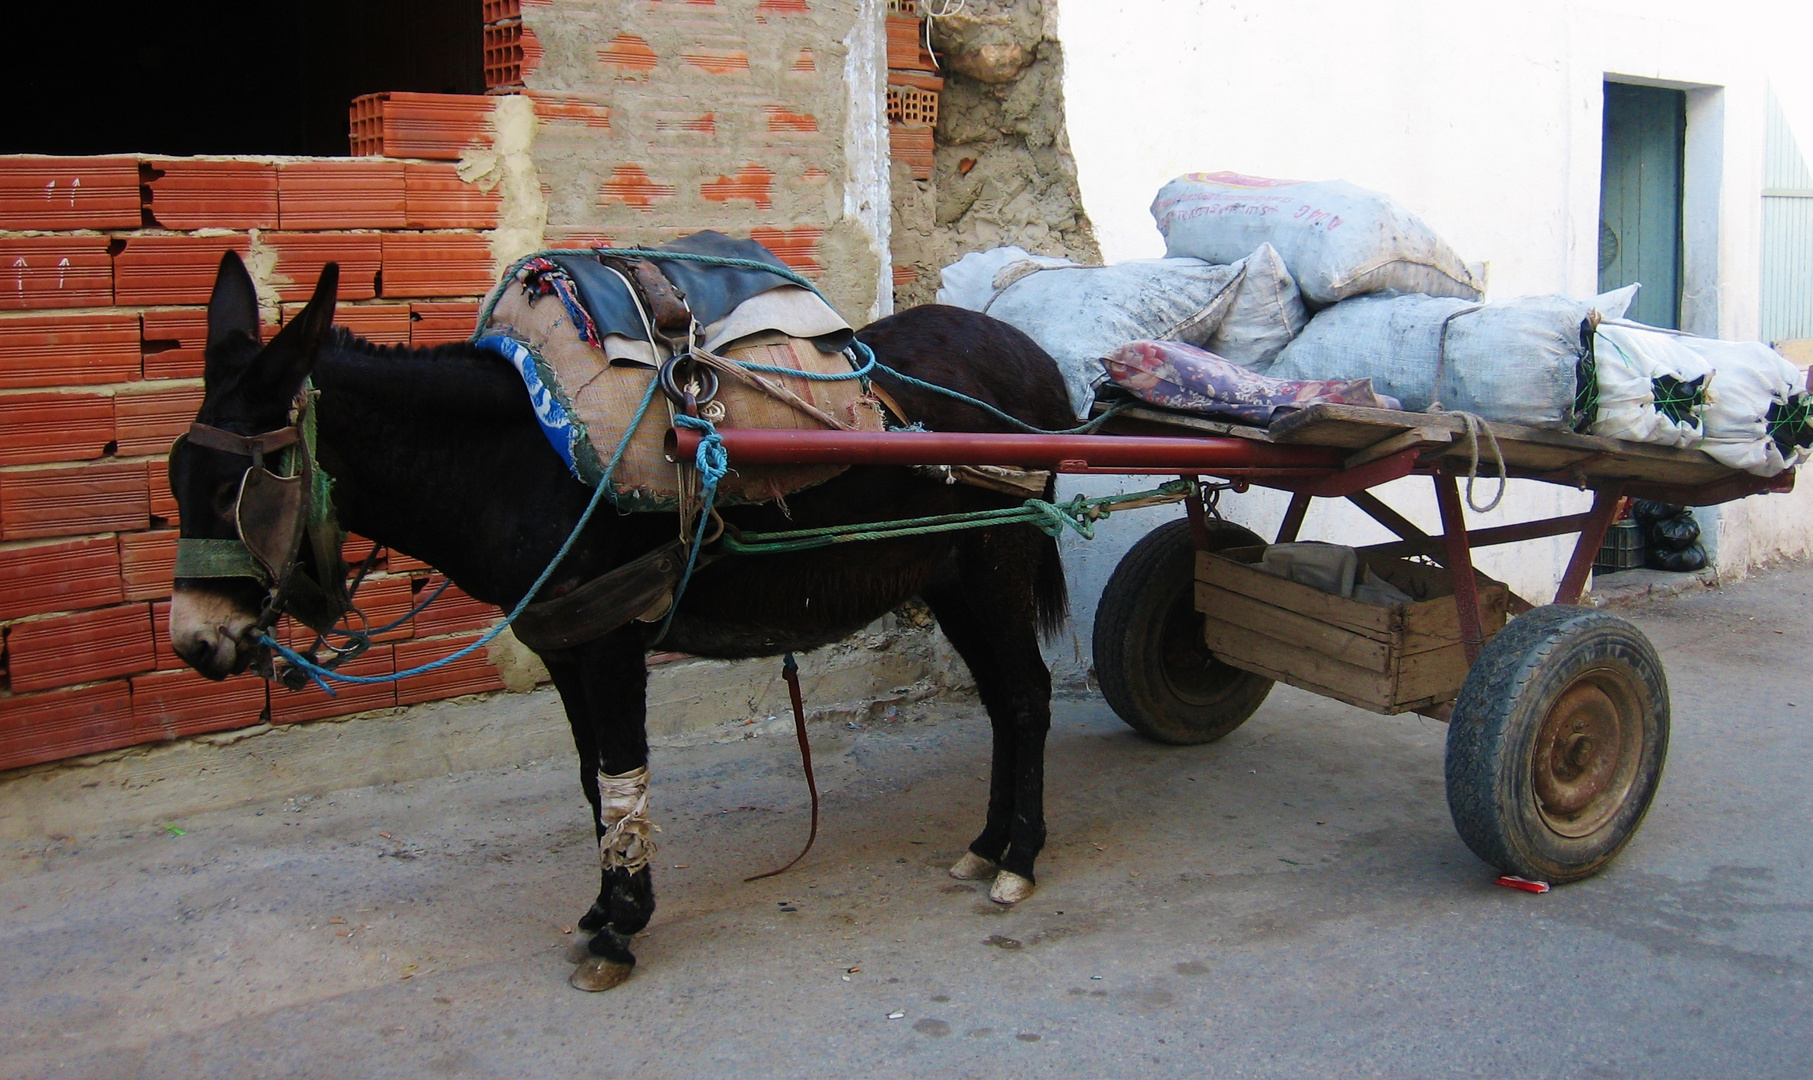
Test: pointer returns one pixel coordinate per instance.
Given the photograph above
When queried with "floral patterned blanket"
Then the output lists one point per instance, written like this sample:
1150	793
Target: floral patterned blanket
1183	377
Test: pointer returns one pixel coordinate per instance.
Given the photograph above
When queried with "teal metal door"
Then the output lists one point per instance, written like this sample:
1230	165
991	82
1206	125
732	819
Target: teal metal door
1640	198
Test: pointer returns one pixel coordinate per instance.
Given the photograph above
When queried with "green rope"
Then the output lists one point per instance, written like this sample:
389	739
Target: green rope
1679	400
1078	514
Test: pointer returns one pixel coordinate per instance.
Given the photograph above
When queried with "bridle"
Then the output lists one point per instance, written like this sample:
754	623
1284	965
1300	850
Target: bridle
276	513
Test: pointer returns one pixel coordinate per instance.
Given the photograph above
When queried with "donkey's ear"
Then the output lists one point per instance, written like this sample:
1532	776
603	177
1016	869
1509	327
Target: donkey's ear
234	303
290	356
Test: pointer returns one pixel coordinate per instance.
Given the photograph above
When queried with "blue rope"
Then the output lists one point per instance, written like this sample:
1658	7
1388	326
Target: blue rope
317	672
712	462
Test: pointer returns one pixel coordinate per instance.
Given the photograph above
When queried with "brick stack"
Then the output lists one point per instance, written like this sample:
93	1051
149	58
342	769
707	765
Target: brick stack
511	49
107	263
913	89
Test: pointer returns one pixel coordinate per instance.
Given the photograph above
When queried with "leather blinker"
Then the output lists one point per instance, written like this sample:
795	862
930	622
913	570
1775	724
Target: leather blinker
270	518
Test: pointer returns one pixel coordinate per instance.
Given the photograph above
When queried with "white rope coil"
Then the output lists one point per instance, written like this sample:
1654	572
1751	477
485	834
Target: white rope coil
628	842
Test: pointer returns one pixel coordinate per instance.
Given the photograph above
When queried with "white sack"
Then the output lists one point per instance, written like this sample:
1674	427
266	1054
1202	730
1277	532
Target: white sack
1514	361
1080	314
1266	314
1338	240
1750	381
970	281
1629	358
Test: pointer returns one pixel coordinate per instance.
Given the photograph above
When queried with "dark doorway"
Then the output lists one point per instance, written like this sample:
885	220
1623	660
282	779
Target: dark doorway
224	76
1640	198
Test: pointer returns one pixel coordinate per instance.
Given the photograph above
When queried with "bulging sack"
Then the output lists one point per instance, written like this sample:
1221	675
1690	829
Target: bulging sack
1266	314
1517	361
1080	314
1337	239
1647	386
1757	416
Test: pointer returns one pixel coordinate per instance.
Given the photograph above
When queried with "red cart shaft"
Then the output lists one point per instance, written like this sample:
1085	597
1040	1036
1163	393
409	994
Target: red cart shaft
1059	453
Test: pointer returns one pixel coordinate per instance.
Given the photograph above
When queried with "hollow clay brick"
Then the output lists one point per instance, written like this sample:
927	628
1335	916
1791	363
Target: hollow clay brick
171	343
147	563
189	193
340	195
470	674
301	255
154	270
178	702
438	324
80	647
798	247
38	272
310	703
436	264
61	575
380	324
453	612
106	496
65	723
69	192
753	183
149	417
576	108
162	504
44	427
436	198
67	350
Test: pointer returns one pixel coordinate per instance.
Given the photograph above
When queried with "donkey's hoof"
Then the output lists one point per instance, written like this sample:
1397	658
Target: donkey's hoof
1010	888
972	867
580	950
595	973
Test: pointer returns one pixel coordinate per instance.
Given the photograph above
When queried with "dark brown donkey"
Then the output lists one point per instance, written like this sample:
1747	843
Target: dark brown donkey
436	453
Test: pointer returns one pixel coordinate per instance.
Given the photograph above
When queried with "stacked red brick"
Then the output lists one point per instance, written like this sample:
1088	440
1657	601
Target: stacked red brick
913	89
108	262
511	49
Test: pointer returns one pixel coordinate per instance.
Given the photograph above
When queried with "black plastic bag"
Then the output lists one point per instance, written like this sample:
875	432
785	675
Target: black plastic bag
1676	533
1692	558
1649	511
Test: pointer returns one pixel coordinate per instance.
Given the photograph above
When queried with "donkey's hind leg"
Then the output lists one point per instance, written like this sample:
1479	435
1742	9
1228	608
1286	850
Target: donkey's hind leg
602	686
990	610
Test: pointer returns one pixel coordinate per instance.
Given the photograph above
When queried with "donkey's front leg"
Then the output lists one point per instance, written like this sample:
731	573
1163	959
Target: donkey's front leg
603	687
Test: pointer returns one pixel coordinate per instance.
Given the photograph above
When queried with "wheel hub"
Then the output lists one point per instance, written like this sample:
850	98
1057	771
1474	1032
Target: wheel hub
1586	754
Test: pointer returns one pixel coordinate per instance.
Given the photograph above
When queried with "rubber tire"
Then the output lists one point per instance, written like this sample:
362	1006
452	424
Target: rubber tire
1492	734
1152	592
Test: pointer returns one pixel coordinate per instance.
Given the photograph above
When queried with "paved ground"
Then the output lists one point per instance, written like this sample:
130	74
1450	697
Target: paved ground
1291	901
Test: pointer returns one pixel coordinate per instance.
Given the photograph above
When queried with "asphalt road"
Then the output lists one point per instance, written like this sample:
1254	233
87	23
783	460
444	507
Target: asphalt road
1291	901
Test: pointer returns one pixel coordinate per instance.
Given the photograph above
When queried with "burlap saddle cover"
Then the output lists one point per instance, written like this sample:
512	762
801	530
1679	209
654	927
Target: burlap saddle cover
599	385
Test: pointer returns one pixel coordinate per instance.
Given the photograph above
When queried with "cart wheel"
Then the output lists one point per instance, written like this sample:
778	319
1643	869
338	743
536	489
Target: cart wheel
1150	659
1556	744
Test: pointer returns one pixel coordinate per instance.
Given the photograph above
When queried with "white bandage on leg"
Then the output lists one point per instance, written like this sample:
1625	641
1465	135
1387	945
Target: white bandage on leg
628	841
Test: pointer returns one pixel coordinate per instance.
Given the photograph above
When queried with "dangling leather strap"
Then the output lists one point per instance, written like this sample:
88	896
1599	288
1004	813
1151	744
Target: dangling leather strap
790	672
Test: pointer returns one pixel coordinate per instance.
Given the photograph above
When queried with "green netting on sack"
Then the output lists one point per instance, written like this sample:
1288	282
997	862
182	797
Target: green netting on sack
1586	381
1790	423
1679	400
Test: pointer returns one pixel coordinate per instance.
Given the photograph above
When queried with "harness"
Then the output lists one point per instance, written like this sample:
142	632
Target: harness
276	513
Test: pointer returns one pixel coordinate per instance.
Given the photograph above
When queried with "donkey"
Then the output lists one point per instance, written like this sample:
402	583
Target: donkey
436	453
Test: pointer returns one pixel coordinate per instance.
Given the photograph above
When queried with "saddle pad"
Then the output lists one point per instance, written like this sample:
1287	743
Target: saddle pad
585	399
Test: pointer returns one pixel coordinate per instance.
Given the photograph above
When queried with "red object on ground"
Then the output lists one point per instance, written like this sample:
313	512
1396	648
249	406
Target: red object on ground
1512	881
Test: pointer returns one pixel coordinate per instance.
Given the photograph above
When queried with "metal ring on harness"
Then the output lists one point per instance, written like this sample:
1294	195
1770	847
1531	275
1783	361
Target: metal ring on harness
704	377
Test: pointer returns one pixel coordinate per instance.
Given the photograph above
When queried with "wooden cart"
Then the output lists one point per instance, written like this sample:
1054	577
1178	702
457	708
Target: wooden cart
1558	719
1559	714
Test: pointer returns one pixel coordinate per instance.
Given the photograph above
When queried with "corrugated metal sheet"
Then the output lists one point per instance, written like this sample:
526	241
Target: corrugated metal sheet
1787	299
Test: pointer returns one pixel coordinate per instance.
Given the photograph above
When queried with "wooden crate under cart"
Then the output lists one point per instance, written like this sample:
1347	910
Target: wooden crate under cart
1388	659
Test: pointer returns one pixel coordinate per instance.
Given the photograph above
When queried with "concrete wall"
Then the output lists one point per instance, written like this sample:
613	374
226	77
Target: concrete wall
752	117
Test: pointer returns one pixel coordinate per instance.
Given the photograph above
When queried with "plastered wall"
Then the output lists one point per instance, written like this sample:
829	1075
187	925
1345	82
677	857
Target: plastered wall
753	117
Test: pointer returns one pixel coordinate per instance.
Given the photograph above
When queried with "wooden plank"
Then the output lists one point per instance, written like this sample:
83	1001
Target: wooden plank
1298	666
1332	641
1236	576
1436	624
1136	416
1436	674
1421	436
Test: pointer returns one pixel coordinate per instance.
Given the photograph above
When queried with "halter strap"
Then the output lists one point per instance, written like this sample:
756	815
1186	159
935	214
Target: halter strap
252	446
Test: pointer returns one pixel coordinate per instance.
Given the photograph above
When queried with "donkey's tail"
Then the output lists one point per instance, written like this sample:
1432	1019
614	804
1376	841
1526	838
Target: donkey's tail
1050	592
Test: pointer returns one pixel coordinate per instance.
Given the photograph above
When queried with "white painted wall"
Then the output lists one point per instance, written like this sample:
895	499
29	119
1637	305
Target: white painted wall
1485	120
